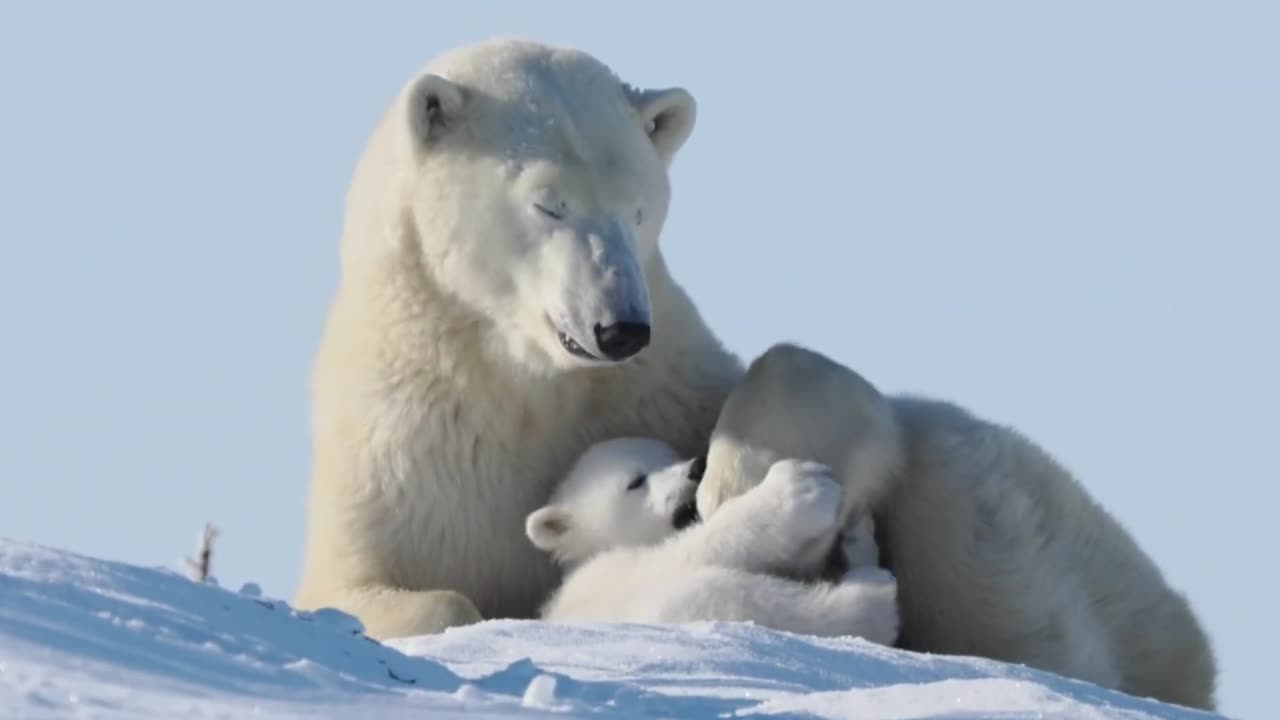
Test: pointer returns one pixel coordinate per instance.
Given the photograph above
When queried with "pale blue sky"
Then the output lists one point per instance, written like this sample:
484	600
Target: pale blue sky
1066	217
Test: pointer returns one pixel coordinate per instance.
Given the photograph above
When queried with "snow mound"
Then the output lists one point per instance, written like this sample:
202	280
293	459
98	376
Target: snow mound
92	638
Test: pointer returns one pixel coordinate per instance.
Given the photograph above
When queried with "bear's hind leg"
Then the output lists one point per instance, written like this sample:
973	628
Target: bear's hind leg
864	604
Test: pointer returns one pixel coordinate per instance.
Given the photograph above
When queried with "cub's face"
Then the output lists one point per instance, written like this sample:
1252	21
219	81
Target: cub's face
539	193
622	492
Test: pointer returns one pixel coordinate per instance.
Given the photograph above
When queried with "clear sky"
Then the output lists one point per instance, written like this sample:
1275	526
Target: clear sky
1064	216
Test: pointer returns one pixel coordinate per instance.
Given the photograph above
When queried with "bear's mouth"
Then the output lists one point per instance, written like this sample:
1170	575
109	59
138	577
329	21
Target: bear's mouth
685	515
571	346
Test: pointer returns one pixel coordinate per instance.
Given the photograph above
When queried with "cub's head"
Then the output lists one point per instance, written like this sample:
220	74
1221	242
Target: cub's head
621	492
537	188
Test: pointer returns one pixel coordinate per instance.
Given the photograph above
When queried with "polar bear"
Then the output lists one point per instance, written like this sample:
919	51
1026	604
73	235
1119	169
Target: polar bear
998	551
621	522
503	303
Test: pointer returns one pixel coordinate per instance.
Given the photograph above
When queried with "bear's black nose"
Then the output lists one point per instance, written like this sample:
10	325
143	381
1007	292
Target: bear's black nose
621	340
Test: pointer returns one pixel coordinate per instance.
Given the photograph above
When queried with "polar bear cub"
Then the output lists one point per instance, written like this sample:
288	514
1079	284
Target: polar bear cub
623	523
996	548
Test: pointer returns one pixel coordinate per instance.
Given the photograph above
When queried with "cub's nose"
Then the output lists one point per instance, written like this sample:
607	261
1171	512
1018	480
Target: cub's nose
621	340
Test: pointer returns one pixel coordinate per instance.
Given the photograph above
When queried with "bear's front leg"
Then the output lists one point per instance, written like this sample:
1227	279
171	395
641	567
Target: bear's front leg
389	612
783	526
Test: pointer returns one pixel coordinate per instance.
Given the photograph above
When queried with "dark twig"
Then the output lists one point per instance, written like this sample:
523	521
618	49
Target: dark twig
203	562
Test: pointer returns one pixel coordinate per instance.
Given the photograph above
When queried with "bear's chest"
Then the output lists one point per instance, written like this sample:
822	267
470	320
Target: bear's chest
468	486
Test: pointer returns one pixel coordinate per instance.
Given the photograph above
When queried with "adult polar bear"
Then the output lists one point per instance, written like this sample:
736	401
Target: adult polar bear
500	274
997	550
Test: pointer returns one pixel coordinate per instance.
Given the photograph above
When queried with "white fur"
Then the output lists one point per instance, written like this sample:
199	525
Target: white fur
611	523
512	193
997	550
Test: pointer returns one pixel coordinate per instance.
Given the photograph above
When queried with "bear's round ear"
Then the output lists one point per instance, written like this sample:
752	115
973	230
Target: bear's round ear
434	107
547	526
668	117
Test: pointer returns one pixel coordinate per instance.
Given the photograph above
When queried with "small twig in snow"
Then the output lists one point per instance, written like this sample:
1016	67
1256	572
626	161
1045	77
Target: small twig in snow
204	561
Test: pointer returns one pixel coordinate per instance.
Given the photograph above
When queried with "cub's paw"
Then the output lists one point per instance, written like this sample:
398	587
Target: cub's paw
802	497
860	547
870	575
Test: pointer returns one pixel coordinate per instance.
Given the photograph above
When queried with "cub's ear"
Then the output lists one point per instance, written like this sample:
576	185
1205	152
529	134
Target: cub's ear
668	117
435	107
547	526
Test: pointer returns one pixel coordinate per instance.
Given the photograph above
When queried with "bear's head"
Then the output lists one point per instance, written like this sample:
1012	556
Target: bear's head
538	190
621	492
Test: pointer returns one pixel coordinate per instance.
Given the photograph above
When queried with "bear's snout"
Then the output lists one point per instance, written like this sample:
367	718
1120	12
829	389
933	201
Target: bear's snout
621	340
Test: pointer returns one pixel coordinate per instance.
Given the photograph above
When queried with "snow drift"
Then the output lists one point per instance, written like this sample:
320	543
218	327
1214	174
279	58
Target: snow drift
91	638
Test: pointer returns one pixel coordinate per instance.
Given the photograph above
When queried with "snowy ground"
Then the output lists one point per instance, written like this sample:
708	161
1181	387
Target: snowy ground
81	637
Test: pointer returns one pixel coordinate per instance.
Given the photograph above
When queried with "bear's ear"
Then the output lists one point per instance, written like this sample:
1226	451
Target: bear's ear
547	526
668	117
434	106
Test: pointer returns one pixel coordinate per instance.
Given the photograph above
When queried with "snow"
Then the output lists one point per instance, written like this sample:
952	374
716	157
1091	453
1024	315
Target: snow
83	637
